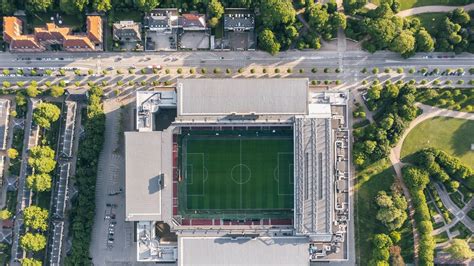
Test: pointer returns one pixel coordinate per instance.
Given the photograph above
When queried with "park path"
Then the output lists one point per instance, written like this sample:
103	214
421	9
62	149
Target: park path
425	9
432	9
428	112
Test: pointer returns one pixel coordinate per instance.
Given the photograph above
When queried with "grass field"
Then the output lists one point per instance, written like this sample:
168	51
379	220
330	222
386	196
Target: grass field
237	174
407	4
452	135
376	177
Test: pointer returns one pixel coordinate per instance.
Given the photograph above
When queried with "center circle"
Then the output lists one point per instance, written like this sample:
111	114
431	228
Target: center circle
240	174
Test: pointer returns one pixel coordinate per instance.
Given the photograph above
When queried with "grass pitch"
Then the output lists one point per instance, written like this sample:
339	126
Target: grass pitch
237	173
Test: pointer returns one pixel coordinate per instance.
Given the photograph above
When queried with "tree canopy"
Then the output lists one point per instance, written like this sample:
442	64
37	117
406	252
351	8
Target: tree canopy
33	242
460	250
39	182
36	218
268	42
30	262
38	5
42	159
45	114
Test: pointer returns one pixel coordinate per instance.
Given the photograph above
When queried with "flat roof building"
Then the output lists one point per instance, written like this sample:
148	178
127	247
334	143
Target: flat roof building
317	225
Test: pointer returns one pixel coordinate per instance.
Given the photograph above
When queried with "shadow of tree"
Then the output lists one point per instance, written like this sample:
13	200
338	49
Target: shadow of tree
463	138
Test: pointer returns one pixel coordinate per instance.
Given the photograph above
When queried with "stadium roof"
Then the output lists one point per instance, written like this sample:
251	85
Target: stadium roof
259	251
216	97
147	160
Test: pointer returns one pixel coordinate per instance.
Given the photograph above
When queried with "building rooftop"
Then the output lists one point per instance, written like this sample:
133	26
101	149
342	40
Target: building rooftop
193	21
52	33
162	18
216	97
239	21
148	162
127	30
244	251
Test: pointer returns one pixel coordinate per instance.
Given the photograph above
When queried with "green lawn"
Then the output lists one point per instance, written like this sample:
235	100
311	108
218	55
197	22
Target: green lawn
378	176
452	135
232	173
441	238
407	4
430	21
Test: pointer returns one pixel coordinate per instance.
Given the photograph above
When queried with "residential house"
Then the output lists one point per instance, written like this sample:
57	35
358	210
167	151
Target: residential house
239	29
194	32
161	29
128	34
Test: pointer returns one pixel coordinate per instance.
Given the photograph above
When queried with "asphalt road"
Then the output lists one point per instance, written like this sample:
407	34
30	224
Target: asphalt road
350	59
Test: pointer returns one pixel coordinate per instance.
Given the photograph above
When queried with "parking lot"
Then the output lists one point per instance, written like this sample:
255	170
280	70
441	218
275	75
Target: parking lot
160	41
194	40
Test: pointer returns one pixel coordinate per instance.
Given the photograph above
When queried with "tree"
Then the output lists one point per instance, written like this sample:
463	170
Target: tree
424	41
46	113
32	91
38	5
215	9
268	42
395	236
415	177
36	218
146	5
5	214
460	250
404	43
56	91
460	16
102	5
276	12
30	262
33	242
12	153
42	159
351	6
39	182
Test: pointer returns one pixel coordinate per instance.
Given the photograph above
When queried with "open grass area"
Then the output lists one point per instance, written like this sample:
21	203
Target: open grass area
407	4
376	177
237	174
441	238
76	22
451	135
471	214
430	21
464	232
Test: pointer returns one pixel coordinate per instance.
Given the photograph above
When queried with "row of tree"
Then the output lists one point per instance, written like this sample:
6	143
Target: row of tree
394	107
445	168
416	180
392	214
85	179
34	240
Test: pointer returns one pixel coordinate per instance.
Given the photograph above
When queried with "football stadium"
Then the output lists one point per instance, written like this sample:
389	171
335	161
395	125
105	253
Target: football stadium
215	163
240	174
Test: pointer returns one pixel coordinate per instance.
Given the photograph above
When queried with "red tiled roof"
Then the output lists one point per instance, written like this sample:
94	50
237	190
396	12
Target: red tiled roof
78	42
94	29
51	32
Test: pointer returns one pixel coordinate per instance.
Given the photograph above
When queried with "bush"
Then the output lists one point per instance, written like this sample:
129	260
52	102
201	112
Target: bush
56	91
228	71
314	70
203	71
241	70
289	70
375	70
217	70
277	70
179	71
